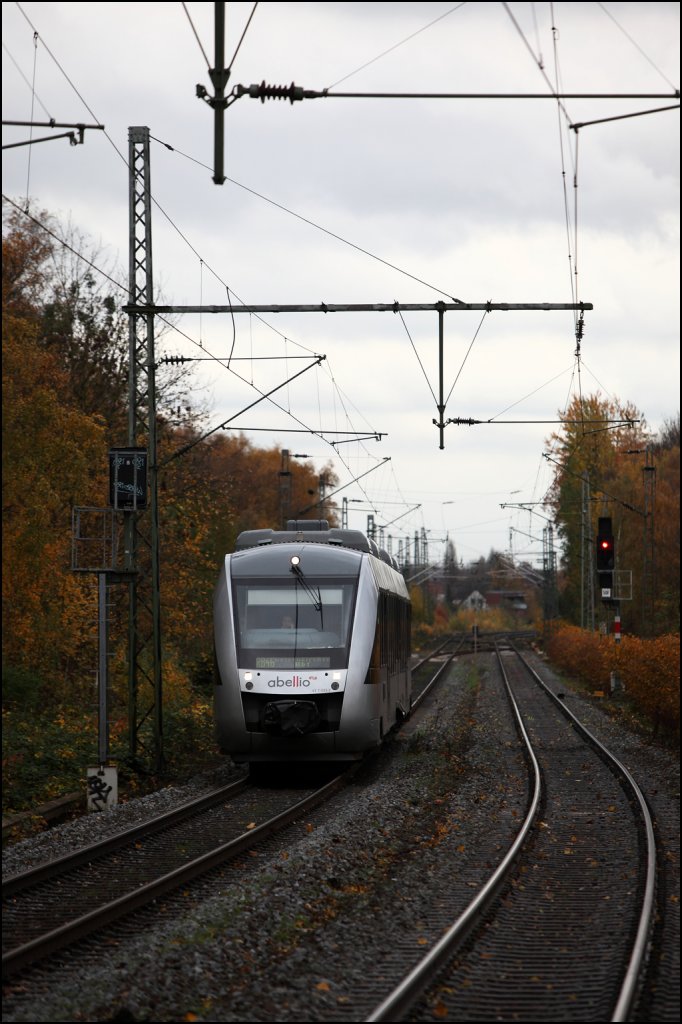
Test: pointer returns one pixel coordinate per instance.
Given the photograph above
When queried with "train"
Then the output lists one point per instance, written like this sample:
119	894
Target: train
312	645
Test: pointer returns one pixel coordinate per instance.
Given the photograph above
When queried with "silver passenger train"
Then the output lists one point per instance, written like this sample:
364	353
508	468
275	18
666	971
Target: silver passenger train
312	645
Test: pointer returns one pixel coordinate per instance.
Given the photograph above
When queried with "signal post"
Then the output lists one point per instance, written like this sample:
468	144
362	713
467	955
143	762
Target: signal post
606	573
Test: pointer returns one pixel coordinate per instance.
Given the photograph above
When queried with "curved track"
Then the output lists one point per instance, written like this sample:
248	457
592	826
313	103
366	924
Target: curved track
560	930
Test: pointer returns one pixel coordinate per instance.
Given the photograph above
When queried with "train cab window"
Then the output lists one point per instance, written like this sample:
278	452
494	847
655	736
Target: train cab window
282	625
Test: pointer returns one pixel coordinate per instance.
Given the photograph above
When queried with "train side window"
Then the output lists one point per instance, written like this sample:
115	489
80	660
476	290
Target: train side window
374	669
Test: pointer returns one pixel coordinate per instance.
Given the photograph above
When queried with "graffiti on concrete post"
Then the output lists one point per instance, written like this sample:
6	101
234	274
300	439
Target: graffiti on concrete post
102	788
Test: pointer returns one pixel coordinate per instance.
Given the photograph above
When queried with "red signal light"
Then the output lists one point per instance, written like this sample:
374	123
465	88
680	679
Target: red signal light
605	553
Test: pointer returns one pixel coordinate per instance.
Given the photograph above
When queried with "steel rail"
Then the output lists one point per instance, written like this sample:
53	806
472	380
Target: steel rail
432	682
85	855
411	988
641	944
404	996
61	865
434	654
42	946
20	957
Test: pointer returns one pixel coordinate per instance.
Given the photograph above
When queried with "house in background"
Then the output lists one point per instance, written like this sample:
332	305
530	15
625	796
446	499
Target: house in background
510	600
474	602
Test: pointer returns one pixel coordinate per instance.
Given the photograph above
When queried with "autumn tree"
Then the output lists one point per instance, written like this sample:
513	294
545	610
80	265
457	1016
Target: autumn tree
257	488
84	326
65	382
604	461
50	460
665	464
668	436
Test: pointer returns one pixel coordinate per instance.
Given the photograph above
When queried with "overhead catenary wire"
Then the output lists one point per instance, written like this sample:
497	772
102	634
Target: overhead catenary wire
634	43
174	327
324	368
571	236
120	154
196	35
221	426
296	93
33	89
118	284
241	40
397	45
30	86
226	287
471	345
418	357
530	394
312	223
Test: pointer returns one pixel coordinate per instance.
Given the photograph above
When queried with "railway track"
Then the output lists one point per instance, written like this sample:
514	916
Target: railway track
561	928
53	869
58	903
499	960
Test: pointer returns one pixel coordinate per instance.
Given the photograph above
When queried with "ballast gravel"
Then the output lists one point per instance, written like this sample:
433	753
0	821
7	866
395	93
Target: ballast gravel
298	932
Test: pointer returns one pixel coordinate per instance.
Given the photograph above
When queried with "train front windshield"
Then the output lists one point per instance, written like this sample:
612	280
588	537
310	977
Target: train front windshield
288	625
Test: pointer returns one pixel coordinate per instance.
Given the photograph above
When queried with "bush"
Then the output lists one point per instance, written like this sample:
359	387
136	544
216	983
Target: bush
21	688
45	754
649	669
46	750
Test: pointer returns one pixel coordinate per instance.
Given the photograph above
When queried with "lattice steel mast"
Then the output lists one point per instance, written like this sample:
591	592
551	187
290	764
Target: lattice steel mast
142	527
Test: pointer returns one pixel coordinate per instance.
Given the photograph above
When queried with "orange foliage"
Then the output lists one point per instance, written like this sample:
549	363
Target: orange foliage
260	495
51	456
649	669
635	482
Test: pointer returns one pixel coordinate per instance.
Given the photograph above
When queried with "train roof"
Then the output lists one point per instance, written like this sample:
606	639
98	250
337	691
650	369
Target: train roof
317	532
313	531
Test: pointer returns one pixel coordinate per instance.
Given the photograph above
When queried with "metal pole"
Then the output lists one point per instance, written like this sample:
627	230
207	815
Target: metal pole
284	489
590	567
135	156
441	400
582	555
103	721
649	566
219	77
142	426
156	569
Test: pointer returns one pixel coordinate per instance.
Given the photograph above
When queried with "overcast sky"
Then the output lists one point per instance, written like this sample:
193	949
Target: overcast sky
376	200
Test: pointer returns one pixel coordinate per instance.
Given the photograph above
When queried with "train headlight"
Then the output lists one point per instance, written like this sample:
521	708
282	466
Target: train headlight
295	561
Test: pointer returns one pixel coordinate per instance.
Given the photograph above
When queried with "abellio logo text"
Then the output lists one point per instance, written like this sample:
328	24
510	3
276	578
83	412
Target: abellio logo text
291	683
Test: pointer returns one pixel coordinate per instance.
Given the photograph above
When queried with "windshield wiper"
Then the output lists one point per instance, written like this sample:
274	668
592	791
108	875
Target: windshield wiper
316	598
